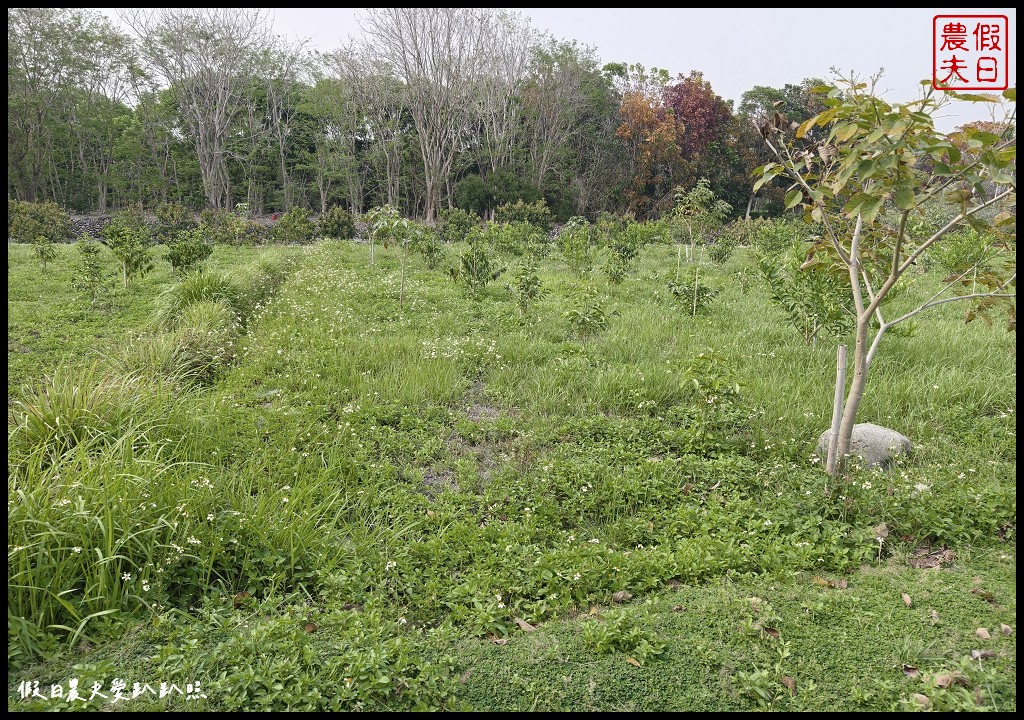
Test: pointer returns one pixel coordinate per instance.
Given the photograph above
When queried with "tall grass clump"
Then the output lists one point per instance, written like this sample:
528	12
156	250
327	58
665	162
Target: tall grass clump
198	288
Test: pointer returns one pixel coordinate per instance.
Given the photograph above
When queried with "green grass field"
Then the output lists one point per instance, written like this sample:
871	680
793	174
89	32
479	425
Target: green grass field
461	505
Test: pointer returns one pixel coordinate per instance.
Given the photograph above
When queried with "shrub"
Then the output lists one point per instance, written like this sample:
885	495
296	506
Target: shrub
511	238
476	267
454	224
226	228
587	316
536	213
721	244
965	250
27	221
575	240
188	250
774	237
172	219
474	195
44	250
128	237
88	275
526	286
293	228
336	223
694	296
815	296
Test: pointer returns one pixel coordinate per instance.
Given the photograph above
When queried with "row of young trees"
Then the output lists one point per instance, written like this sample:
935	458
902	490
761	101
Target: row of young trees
433	107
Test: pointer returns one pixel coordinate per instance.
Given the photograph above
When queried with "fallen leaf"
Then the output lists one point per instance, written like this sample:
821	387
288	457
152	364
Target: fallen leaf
594	610
523	625
431	513
979	699
818	580
634	662
921	700
622	596
881	531
352	606
687	488
499	641
839	584
715	486
773	632
983	634
981	654
465	676
240	598
948	556
1005	629
935	616
943	680
674	584
910	671
906	600
678	608
309	627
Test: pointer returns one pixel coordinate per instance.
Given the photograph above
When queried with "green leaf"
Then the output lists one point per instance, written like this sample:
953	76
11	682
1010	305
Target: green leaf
793	198
844	131
974	97
904	199
1010	94
870	207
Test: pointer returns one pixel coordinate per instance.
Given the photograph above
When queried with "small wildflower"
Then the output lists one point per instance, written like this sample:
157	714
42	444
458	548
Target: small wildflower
126	576
76	550
145	586
390	564
595	541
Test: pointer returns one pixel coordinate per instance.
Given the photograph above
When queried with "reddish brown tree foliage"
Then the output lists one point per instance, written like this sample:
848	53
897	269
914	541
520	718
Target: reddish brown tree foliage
652	135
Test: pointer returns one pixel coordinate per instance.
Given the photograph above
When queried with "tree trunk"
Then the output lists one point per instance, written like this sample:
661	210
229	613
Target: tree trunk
856	393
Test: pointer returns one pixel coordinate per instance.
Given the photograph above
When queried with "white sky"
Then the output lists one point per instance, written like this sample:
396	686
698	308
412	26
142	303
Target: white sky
735	48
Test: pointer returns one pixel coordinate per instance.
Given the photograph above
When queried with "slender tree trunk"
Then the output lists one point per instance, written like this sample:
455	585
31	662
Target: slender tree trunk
856	393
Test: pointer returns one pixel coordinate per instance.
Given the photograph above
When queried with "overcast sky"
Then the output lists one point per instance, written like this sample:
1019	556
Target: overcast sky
735	49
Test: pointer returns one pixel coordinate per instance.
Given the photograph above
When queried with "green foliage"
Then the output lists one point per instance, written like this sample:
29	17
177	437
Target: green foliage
814	296
44	250
172	219
128	237
454	224
587	315
27	221
697	213
196	350
526	286
293	228
337	223
773	237
694	296
477	267
721	244
536	213
509	238
198	288
188	249
620	631
967	250
575	240
424	241
623	246
88	276
474	195
224	227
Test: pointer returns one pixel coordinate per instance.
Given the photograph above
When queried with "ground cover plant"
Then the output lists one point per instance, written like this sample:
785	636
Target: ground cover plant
402	492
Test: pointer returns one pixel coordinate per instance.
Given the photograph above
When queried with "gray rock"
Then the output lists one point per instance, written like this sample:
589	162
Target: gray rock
877	446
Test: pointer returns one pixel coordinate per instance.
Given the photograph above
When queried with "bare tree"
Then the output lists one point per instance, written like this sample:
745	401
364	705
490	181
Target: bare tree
439	55
554	99
499	102
208	57
285	63
381	97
